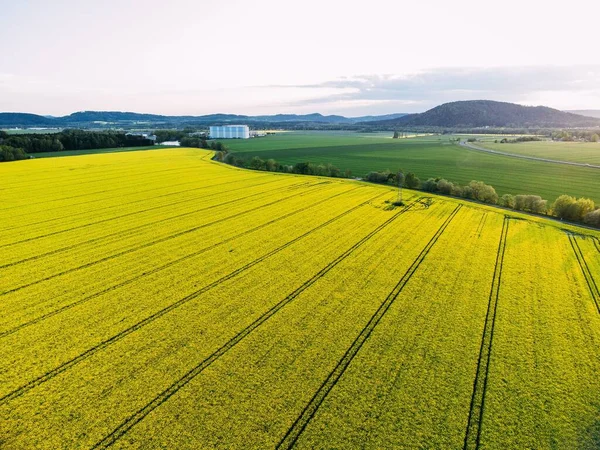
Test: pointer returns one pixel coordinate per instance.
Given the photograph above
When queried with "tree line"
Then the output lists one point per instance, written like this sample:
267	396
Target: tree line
576	135
565	207
18	146
271	165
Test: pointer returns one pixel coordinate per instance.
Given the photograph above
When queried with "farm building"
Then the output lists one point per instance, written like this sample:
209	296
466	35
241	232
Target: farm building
230	132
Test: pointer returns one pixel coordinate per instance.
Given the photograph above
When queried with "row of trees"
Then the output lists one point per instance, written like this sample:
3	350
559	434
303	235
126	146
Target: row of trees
271	165
519	139
72	140
565	207
576	135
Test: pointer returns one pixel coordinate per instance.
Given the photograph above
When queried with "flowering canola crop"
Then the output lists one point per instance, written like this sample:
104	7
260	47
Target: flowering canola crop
161	299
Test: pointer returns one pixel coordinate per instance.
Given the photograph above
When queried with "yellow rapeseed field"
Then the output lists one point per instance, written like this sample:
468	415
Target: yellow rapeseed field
159	299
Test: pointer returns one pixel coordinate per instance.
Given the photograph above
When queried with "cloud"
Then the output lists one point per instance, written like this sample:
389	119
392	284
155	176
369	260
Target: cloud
425	89
572	87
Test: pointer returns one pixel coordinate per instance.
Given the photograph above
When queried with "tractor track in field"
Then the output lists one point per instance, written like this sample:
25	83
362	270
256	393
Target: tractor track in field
473	431
169	264
30	224
149	319
291	436
597	244
139	415
134	213
585	269
86	194
481	224
149	244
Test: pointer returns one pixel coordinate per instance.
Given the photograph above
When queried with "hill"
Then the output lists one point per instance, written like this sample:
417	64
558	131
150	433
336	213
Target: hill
8	119
487	113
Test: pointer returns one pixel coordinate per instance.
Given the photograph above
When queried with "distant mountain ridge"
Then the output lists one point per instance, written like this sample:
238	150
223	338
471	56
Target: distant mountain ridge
462	114
129	118
488	113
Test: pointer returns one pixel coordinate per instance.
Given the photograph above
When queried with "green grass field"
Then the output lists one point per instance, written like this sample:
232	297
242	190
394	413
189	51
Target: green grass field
159	299
582	152
430	156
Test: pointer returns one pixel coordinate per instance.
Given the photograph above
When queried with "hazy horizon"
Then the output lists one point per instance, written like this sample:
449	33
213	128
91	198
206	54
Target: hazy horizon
196	58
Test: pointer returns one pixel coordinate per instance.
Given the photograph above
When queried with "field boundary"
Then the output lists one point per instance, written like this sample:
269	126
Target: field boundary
130	422
473	430
585	269
294	432
140	324
167	265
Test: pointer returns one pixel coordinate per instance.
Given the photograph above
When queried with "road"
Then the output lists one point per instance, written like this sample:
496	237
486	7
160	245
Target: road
471	146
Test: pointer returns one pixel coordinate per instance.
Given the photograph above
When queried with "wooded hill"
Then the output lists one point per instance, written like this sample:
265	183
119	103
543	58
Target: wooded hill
487	113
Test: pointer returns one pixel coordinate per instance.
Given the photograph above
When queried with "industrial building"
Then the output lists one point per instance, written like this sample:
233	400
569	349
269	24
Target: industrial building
230	132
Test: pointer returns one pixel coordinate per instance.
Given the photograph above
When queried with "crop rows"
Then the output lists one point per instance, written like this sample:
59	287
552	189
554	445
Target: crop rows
309	411
122	429
102	345
541	384
585	270
153	333
159	299
183	247
21	340
405	384
318	320
473	432
148	244
167	265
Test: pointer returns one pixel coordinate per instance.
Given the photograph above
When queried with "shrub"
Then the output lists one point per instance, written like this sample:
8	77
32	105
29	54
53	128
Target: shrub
429	186
378	177
567	207
507	200
483	192
531	203
593	218
445	187
411	181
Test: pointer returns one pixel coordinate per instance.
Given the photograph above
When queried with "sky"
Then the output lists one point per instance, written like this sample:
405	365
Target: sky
275	56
